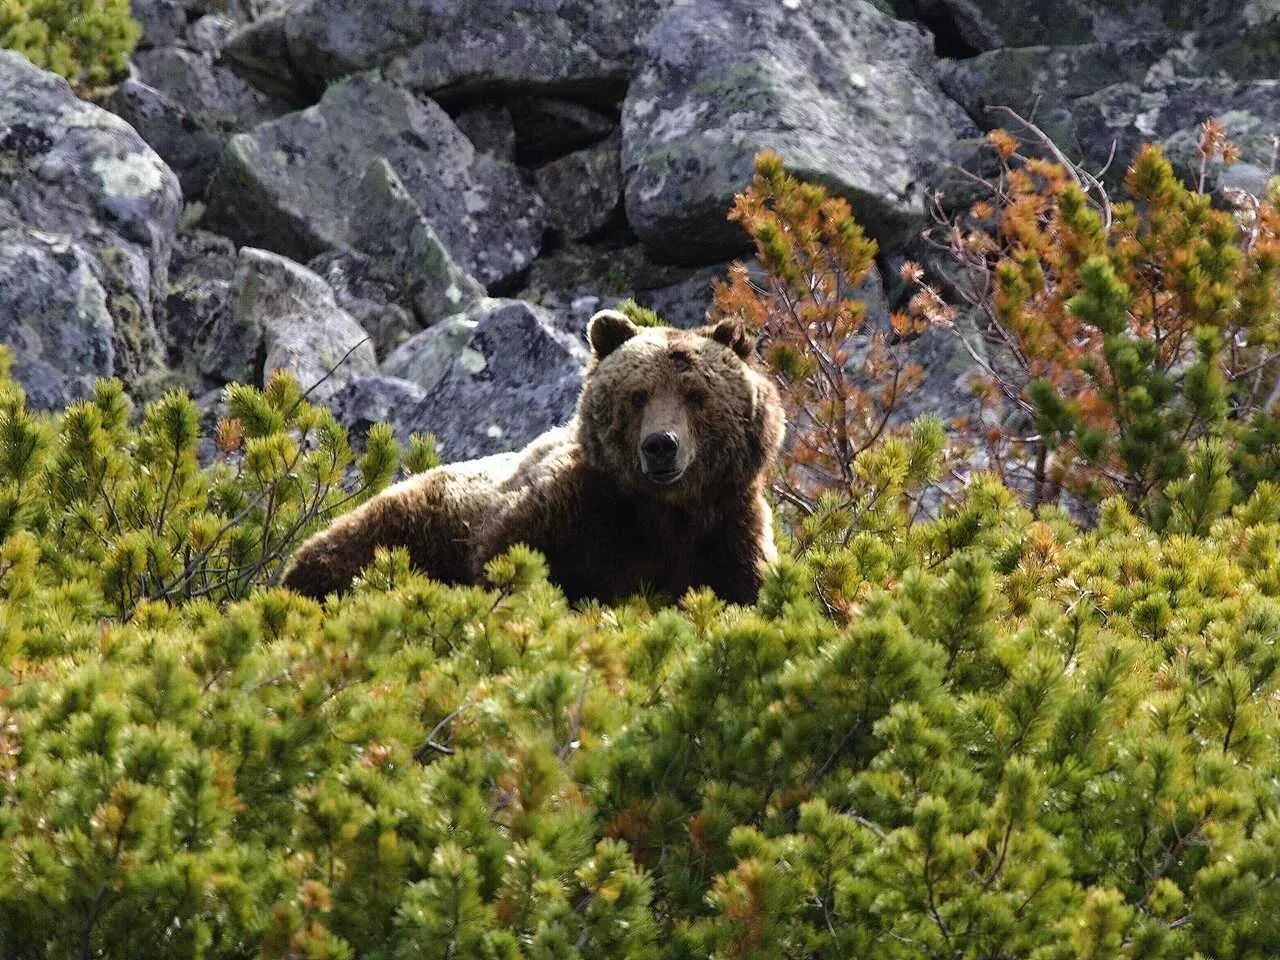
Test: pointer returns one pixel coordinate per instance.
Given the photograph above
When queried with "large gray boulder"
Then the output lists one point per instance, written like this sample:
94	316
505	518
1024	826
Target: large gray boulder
83	180
1243	43
53	315
460	47
517	376
198	303
426	357
366	401
388	225
1122	117
1043	82
287	184
284	317
989	24
582	189
186	105
259	52
847	95
162	21
397	277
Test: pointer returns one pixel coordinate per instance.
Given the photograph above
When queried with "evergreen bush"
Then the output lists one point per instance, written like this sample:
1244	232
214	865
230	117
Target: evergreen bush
1132	343
86	41
990	734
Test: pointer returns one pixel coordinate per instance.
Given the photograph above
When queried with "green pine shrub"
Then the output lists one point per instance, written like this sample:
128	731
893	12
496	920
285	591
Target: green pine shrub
985	735
86	41
1130	337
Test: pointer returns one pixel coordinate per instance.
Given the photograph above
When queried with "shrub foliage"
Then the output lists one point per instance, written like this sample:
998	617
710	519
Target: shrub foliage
1013	738
86	41
1130	339
988	733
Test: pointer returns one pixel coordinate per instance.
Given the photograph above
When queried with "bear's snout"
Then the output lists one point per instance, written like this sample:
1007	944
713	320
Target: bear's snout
660	451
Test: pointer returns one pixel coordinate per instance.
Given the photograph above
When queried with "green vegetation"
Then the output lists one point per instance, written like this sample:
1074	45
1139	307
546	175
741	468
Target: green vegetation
1129	336
987	734
86	41
984	735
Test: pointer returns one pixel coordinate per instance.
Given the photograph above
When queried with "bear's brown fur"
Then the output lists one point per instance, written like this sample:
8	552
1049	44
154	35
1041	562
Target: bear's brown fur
657	483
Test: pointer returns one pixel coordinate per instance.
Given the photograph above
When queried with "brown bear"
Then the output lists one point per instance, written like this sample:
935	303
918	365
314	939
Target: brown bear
657	483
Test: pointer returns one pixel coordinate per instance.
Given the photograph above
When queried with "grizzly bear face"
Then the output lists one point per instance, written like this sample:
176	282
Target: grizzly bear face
680	415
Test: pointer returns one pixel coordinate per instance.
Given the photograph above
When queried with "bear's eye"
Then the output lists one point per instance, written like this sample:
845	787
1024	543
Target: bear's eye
639	398
696	398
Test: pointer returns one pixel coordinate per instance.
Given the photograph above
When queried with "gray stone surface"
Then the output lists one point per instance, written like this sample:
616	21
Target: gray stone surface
358	286
490	129
426	357
583	189
847	95
988	24
190	150
186	105
287	184
53	316
517	376
1127	115
162	21
259	52
579	279
199	298
550	127
84	178
210	33
458	46
366	401
388	225
1043	82
284	316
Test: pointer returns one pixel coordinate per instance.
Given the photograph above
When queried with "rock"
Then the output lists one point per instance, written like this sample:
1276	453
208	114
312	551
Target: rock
387	224
358	287
206	88
582	190
162	21
550	127
85	178
54	317
259	52
684	304
490	130
517	371
401	278
189	150
199	298
1241	42
210	33
847	95
459	47
1125	116
578	279
949	370
426	357
285	185
988	24
374	399
1042	82
186	107
283	316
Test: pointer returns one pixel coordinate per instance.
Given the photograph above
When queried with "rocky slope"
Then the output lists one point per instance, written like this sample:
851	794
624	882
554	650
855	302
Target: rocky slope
441	191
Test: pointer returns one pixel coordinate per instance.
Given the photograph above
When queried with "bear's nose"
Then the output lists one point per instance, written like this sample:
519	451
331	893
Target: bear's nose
660	446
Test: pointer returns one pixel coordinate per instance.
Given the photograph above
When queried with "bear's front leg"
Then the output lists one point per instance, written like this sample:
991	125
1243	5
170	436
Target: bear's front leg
732	559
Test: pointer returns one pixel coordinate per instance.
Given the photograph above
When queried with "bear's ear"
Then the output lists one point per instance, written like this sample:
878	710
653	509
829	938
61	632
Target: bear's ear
733	335
608	330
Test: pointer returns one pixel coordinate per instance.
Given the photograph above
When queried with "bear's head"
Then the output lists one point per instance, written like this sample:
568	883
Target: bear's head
681	415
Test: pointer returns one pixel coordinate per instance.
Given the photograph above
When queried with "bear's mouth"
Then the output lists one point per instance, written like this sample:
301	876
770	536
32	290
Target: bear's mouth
665	477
